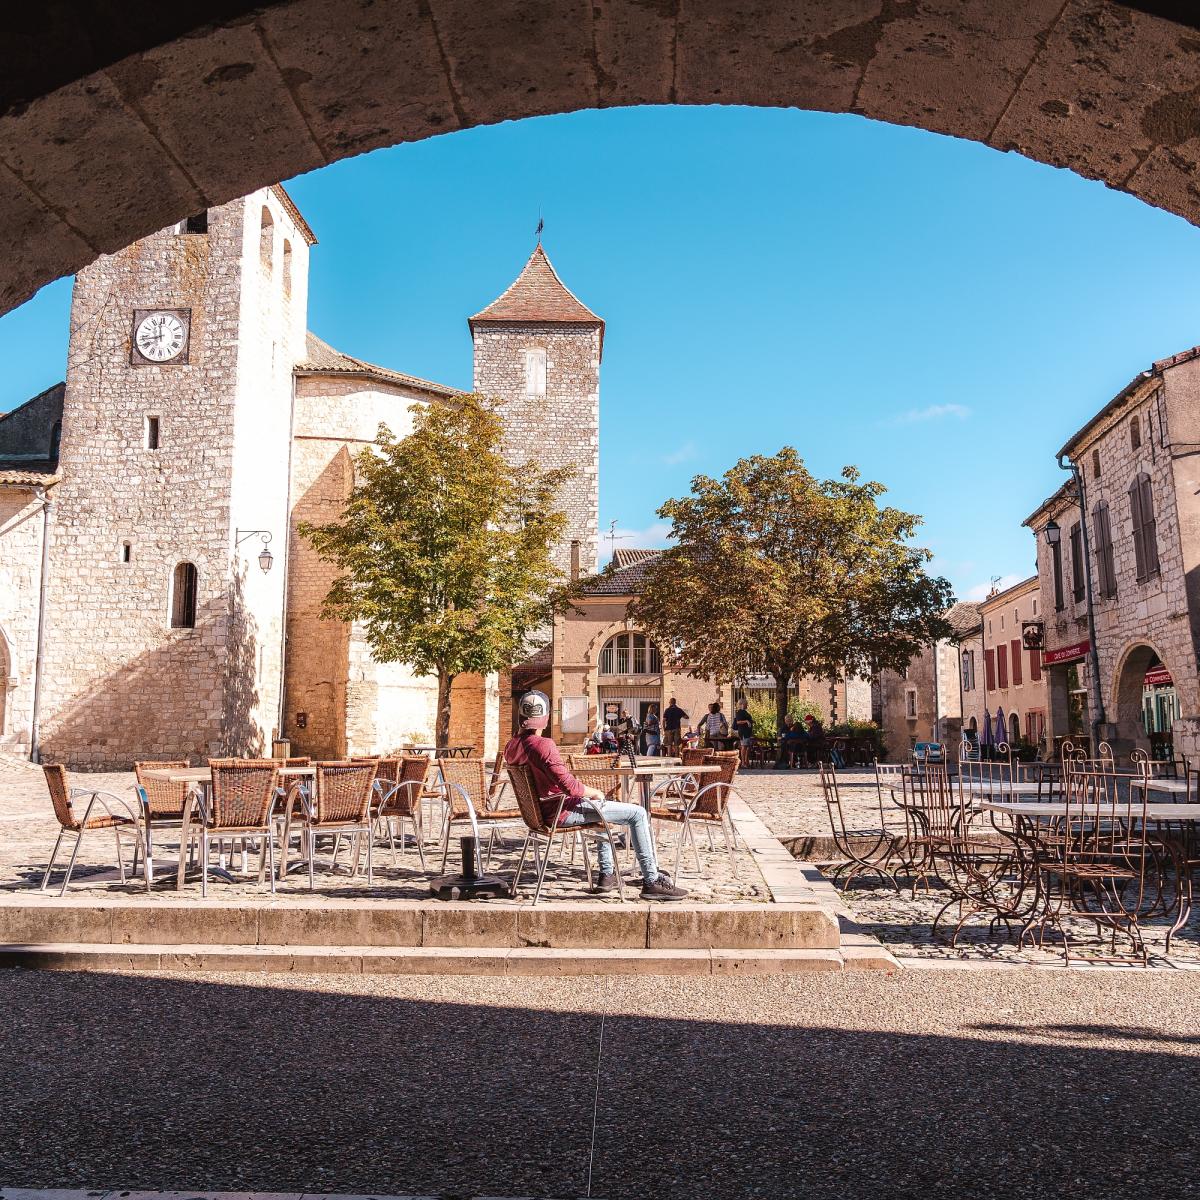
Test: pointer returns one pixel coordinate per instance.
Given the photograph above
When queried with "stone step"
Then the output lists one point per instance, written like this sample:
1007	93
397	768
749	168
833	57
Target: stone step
392	925
425	960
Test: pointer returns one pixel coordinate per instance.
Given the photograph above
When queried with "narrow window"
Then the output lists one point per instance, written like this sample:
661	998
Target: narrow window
1002	665
1015	646
1105	560
1077	563
266	240
1056	560
989	669
126	552
287	268
1035	606
55	438
910	704
1145	527
183	596
1096	463
151	433
197	224
535	372
1135	433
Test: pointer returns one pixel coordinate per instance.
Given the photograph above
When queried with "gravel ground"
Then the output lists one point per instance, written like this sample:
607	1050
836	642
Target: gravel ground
927	1083
28	830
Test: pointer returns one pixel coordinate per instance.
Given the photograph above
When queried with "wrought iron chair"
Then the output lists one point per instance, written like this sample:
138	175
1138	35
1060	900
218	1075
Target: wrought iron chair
64	798
866	851
542	827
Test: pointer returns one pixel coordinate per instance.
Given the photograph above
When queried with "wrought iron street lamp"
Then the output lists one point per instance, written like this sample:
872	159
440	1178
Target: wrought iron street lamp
265	558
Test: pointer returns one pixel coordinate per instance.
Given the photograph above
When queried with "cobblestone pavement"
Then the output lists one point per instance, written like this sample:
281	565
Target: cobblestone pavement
28	830
791	805
935	1084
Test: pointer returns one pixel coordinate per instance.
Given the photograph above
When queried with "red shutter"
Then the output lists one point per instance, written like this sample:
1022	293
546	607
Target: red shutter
1002	665
1016	662
989	669
1035	666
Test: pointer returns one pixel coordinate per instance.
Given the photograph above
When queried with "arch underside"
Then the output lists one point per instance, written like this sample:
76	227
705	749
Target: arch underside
111	136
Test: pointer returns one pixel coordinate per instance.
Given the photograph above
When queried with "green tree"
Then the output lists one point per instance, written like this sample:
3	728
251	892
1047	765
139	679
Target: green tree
775	572
445	548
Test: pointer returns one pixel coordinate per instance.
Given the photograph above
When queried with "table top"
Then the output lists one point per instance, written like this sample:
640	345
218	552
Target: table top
1050	809
1174	787
1002	787
437	749
204	775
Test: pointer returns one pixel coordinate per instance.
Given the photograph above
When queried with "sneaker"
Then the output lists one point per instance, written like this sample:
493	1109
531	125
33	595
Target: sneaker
662	889
606	883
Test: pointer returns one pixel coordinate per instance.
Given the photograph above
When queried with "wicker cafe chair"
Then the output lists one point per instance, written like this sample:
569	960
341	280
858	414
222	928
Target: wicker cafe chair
64	797
541	823
399	784
163	803
240	804
866	851
693	756
341	805
705	803
472	795
592	762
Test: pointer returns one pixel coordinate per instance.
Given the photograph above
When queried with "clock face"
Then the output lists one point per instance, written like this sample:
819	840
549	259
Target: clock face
160	336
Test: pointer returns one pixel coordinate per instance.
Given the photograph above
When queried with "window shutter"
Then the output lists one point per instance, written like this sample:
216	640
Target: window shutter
1149	527
1035	666
1002	665
1135	513
989	669
1056	556
1016	662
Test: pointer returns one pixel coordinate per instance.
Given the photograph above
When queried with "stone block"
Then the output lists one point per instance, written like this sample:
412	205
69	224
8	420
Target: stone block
57	922
595	926
527	961
758	927
361	925
456	925
774	962
79	956
190	923
437	960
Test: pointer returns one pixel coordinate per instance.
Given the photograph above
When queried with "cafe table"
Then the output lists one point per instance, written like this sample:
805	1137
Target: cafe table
644	774
199	779
1049	810
440	751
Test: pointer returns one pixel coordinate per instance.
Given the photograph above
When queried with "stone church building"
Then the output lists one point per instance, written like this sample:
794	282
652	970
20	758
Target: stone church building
155	599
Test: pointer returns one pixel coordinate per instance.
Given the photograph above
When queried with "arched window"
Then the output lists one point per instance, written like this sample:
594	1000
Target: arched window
1135	433
630	654
55	438
1014	728
266	239
183	596
287	268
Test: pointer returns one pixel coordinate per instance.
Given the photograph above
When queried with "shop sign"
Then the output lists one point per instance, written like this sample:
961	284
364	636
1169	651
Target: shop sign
1066	654
1158	677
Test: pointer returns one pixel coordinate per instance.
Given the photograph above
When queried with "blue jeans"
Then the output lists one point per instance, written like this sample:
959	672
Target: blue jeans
634	817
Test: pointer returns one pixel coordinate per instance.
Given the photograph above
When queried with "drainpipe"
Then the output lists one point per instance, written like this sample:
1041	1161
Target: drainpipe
287	538
35	718
1097	699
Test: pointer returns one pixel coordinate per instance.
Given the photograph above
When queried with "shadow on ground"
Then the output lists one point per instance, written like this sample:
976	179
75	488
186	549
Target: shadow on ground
123	1081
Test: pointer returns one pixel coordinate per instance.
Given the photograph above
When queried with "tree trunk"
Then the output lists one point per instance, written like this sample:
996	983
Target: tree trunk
781	699
441	735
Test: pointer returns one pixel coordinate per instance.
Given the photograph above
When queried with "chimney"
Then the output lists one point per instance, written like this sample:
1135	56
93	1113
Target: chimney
574	560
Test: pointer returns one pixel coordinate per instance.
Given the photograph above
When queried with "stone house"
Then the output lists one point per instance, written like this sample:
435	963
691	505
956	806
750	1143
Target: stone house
1139	476
1013	684
924	702
155	601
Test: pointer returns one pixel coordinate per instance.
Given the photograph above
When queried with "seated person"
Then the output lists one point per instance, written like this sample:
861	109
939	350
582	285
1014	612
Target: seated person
556	784
791	742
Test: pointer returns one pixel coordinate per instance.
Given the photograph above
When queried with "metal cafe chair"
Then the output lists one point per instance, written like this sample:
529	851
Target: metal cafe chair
64	798
240	804
707	805
163	803
866	851
542	829
341	805
471	796
399	784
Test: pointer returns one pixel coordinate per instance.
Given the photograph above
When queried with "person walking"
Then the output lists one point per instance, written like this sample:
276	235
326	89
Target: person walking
743	728
651	731
556	785
672	723
714	725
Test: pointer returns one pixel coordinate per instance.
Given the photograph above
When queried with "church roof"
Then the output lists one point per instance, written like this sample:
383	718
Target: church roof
625	575
537	296
322	359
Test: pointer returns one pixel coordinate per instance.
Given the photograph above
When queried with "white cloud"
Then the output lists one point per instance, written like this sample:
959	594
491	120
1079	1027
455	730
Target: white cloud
653	537
681	454
934	412
980	590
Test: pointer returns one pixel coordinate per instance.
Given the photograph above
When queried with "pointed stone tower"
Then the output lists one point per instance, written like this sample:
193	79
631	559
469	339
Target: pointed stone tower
537	352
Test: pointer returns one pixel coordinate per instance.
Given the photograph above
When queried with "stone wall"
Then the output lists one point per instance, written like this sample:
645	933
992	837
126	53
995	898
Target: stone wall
559	429
21	523
28	430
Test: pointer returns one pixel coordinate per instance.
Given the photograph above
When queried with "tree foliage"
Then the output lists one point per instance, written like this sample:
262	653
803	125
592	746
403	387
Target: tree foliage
775	572
445	548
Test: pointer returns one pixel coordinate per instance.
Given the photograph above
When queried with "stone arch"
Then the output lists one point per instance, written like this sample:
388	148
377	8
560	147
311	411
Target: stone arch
1124	699
104	140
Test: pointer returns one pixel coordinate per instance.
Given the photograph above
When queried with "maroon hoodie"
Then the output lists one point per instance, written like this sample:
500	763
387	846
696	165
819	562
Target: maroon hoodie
554	781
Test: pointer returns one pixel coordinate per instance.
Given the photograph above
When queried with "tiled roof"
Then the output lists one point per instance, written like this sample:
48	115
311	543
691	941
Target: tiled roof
534	669
323	359
27	473
626	558
292	211
622	580
963	618
537	295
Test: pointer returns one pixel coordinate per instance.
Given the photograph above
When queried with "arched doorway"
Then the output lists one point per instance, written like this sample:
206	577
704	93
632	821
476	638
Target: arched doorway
7	683
105	139
1145	705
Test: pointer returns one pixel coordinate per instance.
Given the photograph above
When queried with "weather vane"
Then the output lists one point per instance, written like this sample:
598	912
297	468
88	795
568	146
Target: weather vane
541	226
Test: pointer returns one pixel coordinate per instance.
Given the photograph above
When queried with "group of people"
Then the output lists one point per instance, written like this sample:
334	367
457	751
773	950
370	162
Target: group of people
668	734
803	739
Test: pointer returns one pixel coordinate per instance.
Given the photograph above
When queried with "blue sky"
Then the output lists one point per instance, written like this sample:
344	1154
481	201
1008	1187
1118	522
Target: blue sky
937	313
